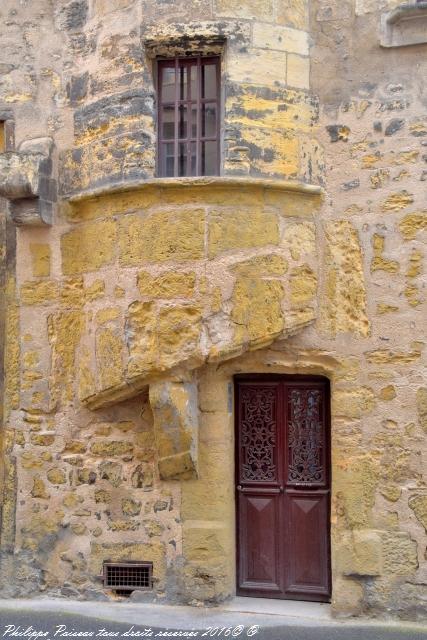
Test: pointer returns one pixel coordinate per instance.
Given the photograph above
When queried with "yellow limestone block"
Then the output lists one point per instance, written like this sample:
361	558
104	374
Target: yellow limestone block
40	258
384	356
353	403
379	263
405	156
39	292
293	13
298	71
344	307
95	290
142	344
112	204
109	348
418	504
72	292
422	407
178	334
270	116
397	201
412	223
303	284
278	38
300	239
107	315
257	311
86	379
261	9
269	265
171	284
64	332
415	264
88	247
241	230
175	413
166	235
387	393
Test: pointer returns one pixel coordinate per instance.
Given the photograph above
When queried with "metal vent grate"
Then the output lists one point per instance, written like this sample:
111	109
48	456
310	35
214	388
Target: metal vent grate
128	576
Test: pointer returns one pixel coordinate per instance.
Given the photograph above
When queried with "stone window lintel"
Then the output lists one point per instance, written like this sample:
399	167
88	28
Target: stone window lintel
167	46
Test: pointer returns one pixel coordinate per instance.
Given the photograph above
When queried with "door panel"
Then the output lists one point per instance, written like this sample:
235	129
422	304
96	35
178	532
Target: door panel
260	558
282	492
308	567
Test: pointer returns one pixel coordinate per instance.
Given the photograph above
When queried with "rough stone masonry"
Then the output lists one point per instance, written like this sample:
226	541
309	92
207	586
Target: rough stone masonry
130	301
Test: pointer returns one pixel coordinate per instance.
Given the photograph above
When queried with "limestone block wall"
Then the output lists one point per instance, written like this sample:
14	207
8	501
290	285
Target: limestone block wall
183	286
373	131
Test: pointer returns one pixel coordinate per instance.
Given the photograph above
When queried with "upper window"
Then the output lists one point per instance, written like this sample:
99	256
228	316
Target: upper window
188	116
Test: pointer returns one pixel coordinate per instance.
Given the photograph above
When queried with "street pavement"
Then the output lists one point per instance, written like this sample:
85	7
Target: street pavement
72	620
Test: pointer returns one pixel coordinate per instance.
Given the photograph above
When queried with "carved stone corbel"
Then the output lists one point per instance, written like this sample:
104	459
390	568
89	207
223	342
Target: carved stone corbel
176	426
26	181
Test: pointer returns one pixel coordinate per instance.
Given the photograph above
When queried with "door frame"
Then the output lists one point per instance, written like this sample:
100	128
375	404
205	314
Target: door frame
264	377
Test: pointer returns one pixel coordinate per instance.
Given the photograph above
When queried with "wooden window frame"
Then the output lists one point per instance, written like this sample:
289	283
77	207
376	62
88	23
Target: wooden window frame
178	62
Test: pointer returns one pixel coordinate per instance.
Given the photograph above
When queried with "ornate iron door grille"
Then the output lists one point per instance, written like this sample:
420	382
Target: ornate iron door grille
128	576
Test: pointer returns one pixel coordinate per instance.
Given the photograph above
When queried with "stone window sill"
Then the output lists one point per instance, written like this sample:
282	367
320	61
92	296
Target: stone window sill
231	182
404	26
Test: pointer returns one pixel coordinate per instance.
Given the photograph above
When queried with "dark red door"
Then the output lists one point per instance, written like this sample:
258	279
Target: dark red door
283	487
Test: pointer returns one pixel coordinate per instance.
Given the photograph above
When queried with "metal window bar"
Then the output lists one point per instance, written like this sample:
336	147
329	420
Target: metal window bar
184	142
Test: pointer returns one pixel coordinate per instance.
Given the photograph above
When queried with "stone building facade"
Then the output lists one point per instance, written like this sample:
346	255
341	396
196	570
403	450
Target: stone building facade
131	301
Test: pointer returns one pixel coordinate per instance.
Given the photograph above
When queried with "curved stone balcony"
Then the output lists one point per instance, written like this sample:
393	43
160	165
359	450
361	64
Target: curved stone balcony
199	270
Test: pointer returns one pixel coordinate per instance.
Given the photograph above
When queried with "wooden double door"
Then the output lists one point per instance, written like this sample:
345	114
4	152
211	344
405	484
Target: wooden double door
283	487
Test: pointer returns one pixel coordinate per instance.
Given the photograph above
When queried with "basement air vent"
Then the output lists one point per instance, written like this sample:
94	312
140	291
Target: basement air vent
124	577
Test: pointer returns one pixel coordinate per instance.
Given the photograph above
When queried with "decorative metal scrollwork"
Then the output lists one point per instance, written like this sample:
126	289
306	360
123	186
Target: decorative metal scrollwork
258	435
306	437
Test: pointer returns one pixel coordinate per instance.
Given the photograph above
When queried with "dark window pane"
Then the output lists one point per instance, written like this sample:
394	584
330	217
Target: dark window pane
209	120
182	121
194	121
209	158
168	122
183	83
193	166
168	159
209	83
168	84
182	159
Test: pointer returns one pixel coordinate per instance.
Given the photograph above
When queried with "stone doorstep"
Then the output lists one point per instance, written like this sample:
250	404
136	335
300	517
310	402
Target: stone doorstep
288	608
